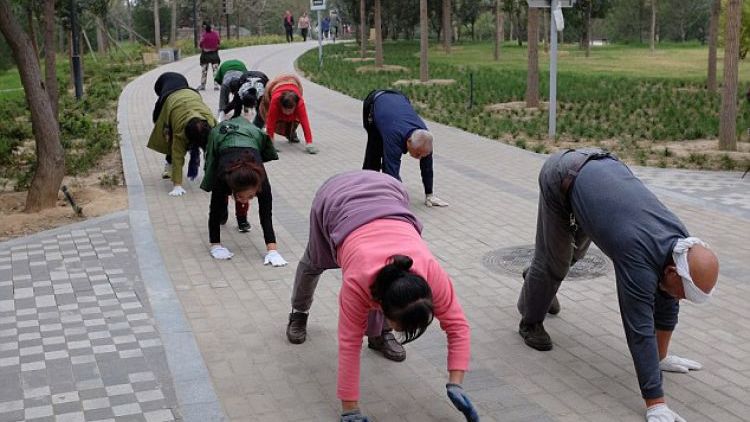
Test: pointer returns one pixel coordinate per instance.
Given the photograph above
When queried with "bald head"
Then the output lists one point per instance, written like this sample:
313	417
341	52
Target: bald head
704	267
419	144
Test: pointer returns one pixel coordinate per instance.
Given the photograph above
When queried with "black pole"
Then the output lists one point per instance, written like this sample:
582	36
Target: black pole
228	34
195	24
76	54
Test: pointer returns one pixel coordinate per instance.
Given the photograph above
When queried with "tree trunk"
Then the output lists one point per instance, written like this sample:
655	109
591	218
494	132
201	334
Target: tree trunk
447	21
518	27
653	25
102	43
131	36
30	23
498	29
589	10
424	72
50	164
363	28
544	24
157	27
173	27
728	117
378	35
50	58
532	78
713	37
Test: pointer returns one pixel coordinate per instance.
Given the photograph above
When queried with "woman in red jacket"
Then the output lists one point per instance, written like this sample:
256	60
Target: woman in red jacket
283	109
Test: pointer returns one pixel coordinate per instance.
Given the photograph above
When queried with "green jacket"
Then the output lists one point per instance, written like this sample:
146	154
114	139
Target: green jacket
238	133
226	67
168	135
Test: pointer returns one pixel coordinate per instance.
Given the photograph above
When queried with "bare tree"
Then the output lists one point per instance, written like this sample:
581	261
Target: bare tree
157	27
30	5
728	116
424	28
447	26
378	35
363	28
50	58
50	161
653	25
499	15
713	40
532	74
589	9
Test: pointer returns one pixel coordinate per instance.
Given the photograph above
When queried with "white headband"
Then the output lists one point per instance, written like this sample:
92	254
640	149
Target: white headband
680	256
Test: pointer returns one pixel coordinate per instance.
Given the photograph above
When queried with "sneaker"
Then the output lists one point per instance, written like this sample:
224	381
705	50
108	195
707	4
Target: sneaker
167	173
311	149
434	201
388	346
200	87
296	330
535	336
554	307
244	226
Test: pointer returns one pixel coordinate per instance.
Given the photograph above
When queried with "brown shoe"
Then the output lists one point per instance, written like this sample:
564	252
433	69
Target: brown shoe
388	346
296	330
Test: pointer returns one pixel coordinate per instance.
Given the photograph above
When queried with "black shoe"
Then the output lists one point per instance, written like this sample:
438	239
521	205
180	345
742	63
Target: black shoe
296	330
554	307
535	336
244	226
293	138
388	346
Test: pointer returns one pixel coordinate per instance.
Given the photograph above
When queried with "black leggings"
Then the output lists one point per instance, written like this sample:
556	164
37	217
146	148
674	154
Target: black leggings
220	198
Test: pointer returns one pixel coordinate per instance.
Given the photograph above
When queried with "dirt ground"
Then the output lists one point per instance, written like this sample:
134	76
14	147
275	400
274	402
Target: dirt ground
100	192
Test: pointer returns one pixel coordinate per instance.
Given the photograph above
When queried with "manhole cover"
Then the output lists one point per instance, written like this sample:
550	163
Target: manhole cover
513	261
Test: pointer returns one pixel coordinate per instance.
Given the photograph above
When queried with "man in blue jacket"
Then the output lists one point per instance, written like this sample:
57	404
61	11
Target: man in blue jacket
393	129
588	195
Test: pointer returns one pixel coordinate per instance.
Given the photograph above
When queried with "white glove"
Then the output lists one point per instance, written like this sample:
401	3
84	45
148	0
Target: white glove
177	191
220	252
661	413
275	259
221	116
673	363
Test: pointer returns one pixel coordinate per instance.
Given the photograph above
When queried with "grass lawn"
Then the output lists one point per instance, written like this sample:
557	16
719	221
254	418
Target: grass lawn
671	61
650	108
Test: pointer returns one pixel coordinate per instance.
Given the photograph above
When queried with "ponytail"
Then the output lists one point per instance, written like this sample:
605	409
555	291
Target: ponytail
404	296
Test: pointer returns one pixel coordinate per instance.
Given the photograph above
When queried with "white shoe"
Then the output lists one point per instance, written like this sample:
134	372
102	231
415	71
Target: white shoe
434	201
167	173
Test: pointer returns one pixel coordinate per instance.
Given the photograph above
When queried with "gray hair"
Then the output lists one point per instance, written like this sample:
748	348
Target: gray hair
421	138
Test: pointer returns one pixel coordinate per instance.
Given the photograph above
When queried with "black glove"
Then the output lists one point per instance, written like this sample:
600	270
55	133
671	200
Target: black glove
461	401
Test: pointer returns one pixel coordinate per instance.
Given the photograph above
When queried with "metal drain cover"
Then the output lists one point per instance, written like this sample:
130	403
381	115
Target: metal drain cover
515	259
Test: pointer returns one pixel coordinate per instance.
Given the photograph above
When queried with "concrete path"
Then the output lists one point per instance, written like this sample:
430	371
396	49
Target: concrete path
237	310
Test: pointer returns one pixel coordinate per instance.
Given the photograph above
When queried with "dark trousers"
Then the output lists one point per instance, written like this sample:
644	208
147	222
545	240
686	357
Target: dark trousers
303	31
289	33
559	243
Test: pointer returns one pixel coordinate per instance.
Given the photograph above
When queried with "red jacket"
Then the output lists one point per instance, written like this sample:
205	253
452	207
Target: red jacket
210	41
275	114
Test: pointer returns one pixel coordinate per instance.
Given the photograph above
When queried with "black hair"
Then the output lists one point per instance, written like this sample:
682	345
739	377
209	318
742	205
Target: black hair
404	296
289	99
207	26
250	100
243	173
196	131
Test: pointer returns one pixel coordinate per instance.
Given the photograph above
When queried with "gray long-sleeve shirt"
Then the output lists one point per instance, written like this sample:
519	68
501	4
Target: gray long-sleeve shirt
631	226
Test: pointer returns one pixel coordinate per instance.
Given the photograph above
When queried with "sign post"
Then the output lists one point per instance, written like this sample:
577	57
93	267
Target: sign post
319	5
556	24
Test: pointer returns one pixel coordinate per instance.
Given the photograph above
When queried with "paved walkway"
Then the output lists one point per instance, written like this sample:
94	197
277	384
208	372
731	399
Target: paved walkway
237	310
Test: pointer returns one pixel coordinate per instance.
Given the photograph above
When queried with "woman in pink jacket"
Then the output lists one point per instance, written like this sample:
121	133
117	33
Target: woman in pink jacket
360	222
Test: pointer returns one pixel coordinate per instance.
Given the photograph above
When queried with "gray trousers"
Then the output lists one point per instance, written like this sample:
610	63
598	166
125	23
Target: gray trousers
306	281
225	90
558	244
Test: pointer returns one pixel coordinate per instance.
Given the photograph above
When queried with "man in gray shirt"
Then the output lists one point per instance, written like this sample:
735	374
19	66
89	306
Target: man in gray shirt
588	195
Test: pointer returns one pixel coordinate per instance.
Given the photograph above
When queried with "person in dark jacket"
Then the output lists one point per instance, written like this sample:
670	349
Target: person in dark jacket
588	195
393	129
247	93
234	166
289	26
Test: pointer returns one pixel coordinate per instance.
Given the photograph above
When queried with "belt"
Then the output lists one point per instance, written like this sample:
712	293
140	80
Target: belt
581	159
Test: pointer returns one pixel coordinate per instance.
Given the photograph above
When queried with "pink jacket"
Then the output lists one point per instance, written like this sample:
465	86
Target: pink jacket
362	254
